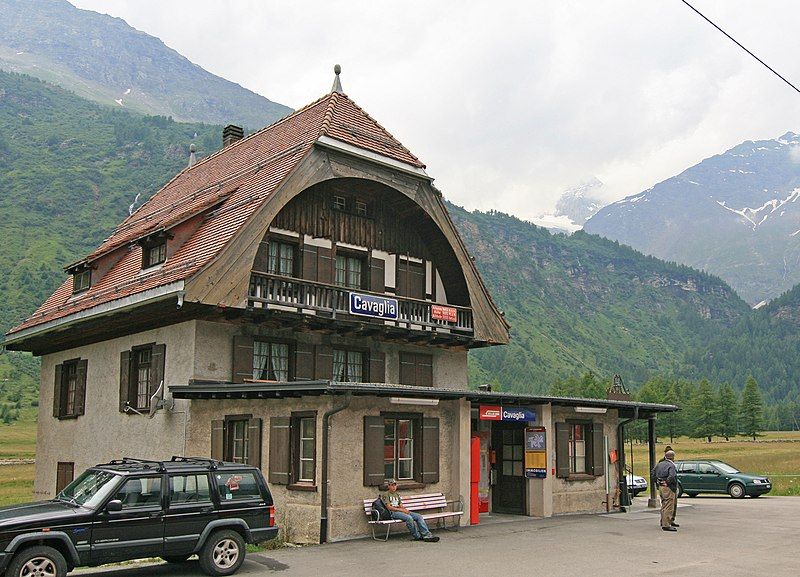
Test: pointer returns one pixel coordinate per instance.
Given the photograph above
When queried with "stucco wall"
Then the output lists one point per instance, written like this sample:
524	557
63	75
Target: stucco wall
298	512
584	495
104	433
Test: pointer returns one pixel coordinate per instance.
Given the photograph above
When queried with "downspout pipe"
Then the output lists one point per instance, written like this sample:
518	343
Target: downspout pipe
324	506
625	499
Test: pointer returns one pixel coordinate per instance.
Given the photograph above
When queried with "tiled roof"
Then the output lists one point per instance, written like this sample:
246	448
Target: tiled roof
233	182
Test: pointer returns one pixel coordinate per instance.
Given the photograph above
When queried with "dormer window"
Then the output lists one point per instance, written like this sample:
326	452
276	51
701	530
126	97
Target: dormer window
81	280
154	254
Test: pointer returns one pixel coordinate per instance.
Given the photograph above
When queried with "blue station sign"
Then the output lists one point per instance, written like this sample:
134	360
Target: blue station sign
516	414
372	306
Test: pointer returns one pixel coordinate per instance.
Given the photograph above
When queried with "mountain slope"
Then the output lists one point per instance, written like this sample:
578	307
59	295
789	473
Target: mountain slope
105	60
735	215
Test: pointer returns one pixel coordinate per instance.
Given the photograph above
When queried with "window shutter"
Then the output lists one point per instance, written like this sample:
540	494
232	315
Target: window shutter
377	275
309	262
424	370
254	442
323	362
261	262
218	440
80	389
242	358
416	280
562	450
373	452
157	375
303	362
430	450
279	438
124	377
324	265
377	367
402	277
598	452
57	392
407	369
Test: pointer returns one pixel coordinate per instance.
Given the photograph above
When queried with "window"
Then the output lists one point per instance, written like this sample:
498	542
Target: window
410	278
348	366
237	439
577	448
143	492
141	372
304	447
237	486
69	392
153	255
416	369
65	473
401	445
350	271
360	208
189	489
339	203
398	449
81	280
271	361
281	258
706	469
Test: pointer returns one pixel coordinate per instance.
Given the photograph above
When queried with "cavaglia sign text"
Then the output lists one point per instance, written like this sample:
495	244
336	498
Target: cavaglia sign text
372	306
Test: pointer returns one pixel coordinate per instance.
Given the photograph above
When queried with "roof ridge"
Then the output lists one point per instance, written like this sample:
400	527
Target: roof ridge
328	116
378	124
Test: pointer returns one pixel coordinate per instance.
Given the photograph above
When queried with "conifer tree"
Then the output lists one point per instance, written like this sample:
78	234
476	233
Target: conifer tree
703	411
751	412
727	411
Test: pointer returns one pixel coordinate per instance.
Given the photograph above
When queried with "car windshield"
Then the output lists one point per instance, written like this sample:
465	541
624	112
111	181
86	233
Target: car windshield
90	489
726	468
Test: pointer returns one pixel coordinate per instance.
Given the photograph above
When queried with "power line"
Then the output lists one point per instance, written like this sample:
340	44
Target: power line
775	72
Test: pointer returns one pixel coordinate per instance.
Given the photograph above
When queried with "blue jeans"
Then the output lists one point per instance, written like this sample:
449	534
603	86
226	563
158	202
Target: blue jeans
415	523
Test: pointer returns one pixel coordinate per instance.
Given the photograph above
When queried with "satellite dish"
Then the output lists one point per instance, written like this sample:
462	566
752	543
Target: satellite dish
157	400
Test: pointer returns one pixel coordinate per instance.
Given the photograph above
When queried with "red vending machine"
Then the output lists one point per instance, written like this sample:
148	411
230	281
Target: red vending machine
474	479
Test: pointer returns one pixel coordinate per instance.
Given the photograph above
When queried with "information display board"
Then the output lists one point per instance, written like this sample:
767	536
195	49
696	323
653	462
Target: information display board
535	452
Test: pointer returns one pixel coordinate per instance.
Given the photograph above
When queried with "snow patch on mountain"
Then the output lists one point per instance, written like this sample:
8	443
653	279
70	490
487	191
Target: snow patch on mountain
575	206
754	215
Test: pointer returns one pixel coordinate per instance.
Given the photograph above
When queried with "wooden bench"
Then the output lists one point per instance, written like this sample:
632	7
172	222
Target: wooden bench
434	503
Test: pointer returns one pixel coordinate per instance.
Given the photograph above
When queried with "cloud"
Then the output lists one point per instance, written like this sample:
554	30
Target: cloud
509	103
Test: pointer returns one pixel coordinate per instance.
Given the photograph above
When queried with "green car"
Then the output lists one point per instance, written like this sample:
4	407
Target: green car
717	477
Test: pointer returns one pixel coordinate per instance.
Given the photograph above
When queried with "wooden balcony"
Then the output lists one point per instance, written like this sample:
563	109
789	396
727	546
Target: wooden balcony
324	301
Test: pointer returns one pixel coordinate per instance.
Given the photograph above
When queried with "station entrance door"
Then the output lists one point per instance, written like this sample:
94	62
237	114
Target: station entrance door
508	443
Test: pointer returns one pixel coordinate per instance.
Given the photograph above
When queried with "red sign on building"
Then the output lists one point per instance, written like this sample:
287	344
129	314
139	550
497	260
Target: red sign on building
490	413
440	313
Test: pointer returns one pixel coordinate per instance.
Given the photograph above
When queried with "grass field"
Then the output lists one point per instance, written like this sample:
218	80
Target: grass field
774	454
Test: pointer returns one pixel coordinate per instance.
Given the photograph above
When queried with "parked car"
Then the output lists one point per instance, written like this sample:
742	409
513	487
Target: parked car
710	476
636	485
133	508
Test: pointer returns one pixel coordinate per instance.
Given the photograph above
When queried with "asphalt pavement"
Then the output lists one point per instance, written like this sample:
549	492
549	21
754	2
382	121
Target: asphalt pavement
717	536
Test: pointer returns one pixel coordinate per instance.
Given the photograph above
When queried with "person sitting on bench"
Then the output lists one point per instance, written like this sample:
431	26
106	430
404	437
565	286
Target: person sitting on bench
414	521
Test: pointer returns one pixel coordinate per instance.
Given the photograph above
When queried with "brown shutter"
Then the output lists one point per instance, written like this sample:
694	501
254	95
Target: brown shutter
80	388
598	452
377	367
324	265
57	391
242	358
416	280
323	362
218	440
377	275
254	442
401	281
157	376
261	262
562	450
309	262
65	473
407	369
303	362
279	439
124	378
373	452
430	450
424	370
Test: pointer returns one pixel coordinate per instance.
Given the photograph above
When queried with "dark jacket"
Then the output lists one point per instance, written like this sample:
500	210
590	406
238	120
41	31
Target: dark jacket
665	472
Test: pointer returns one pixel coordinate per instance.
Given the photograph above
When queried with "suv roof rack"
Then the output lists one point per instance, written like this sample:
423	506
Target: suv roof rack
130	463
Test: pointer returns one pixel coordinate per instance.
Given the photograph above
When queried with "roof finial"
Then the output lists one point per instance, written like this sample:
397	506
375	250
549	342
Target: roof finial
192	157
337	85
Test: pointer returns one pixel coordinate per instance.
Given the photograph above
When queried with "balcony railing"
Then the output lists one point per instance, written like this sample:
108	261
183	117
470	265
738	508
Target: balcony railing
302	296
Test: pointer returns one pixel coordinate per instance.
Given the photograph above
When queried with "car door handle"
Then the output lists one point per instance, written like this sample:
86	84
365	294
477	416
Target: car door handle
156	514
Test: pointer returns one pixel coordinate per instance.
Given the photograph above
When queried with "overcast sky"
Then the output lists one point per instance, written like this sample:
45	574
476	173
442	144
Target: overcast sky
510	103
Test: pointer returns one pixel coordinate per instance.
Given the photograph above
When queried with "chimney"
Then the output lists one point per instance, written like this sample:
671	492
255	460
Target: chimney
231	134
192	155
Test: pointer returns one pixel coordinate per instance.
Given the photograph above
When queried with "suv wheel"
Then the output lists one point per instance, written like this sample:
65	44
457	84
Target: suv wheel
39	561
223	553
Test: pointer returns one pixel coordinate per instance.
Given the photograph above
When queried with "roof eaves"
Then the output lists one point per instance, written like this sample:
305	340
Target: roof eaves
347	148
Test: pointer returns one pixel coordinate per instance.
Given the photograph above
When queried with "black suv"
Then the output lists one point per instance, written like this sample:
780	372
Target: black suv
133	508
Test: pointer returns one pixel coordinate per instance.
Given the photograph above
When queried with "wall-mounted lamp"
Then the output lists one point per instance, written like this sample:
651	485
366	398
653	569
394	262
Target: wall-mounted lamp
595	410
413	401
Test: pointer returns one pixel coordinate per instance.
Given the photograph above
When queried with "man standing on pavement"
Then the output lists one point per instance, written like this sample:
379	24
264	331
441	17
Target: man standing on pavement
666	476
414	521
675	501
